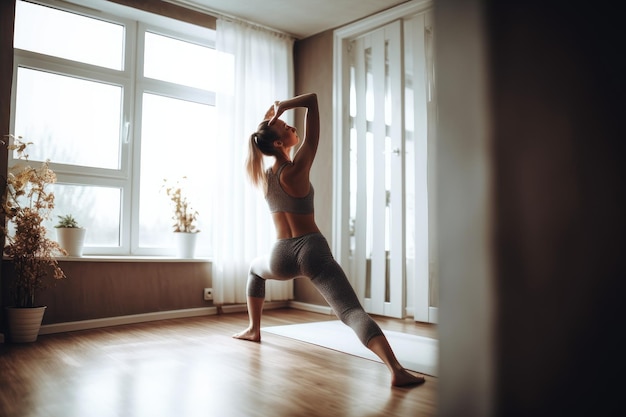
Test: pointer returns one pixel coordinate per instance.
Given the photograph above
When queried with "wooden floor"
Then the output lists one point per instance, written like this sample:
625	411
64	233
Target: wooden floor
192	367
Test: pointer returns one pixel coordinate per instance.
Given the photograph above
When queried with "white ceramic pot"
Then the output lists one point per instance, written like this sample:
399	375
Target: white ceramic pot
72	239
185	244
24	323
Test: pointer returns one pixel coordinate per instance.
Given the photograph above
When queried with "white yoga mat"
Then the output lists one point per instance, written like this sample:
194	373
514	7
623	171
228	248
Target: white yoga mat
416	353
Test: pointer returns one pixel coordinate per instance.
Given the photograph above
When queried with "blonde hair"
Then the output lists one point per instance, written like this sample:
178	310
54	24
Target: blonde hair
260	143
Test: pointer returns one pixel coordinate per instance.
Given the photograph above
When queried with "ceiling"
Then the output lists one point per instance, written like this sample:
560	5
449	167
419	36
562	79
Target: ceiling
299	18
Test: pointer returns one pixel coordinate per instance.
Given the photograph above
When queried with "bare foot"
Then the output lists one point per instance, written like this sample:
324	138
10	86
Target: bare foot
249	334
404	379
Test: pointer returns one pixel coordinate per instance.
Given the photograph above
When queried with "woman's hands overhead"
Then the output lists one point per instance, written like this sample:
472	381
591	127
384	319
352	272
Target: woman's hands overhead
269	113
276	111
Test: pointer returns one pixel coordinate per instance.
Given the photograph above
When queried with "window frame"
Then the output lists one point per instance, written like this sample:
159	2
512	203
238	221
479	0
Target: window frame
136	23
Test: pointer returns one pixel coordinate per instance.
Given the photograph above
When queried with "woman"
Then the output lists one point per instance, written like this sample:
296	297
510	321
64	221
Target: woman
300	249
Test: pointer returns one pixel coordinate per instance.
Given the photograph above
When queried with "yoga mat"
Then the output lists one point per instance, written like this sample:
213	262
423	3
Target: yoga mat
416	353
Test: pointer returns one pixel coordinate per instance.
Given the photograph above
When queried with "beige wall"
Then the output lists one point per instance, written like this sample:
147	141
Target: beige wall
313	61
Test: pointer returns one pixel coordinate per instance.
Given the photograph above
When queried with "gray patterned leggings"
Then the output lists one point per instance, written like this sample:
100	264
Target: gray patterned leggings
309	256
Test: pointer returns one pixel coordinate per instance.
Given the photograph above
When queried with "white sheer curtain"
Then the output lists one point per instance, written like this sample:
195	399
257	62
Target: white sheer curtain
261	72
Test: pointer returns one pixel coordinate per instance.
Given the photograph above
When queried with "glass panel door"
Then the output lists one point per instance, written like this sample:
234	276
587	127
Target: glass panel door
377	178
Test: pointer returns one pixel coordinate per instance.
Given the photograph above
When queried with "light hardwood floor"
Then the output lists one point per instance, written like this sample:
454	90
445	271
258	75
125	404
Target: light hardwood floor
193	367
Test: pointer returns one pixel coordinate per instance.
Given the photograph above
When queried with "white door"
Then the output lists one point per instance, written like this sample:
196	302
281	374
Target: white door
390	121
377	178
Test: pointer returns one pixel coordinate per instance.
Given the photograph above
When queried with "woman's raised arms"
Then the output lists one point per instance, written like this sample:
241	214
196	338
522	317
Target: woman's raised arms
303	159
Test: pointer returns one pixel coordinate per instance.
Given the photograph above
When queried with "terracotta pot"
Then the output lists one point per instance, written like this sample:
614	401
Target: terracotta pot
24	323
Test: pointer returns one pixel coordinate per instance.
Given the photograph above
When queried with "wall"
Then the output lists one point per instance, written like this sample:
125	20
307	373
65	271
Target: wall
532	116
7	11
558	95
313	62
96	290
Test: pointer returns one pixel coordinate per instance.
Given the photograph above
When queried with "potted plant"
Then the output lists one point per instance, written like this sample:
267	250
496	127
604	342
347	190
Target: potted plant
184	217
70	235
26	204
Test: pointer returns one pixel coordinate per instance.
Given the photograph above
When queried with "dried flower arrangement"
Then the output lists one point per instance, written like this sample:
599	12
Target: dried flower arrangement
184	215
27	204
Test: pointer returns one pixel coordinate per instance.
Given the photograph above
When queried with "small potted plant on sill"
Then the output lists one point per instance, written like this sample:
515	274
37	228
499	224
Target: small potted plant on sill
184	217
26	204
70	235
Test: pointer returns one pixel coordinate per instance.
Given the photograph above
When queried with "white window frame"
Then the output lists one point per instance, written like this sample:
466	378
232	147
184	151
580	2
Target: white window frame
131	79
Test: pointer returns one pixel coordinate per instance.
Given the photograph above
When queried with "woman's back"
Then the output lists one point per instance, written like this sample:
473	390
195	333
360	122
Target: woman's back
293	215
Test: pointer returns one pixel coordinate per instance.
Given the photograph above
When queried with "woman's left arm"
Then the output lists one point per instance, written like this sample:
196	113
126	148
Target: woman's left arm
308	148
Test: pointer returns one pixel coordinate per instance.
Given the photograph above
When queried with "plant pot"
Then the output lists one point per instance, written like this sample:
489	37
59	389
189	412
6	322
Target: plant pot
72	239
24	323
185	244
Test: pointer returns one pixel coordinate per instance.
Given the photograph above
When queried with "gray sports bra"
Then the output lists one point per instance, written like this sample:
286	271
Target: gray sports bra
279	200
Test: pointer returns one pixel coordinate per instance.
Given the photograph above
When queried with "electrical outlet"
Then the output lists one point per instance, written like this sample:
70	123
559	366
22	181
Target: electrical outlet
208	294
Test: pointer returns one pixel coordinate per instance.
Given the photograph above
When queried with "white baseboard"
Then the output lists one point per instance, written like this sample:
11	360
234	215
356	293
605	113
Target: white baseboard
314	308
173	314
131	319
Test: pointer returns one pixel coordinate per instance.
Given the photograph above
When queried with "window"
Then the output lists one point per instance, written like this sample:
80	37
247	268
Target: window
117	104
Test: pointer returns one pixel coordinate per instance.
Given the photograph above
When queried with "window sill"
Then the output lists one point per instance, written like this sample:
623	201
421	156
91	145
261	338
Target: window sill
121	258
